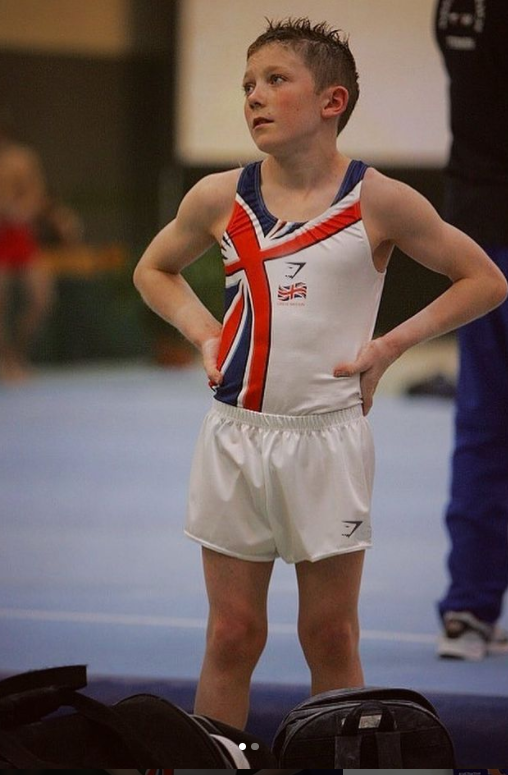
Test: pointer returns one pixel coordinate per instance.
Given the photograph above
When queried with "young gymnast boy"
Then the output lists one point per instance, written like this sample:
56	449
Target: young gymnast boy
284	462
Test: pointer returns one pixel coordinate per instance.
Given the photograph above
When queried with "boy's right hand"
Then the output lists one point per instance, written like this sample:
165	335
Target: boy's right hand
210	353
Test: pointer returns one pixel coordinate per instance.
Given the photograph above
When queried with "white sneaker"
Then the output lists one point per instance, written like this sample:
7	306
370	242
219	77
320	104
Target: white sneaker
498	641
465	637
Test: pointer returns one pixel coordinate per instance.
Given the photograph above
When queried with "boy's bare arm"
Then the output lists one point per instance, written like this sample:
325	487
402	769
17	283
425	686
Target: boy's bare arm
201	219
396	214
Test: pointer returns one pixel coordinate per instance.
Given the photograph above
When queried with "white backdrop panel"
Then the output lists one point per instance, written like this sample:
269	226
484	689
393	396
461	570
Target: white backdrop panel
400	119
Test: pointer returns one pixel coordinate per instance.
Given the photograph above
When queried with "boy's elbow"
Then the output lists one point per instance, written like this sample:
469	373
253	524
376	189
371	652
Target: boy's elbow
505	290
501	293
495	286
137	277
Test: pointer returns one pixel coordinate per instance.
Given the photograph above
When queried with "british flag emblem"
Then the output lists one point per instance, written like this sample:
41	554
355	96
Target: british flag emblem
290	292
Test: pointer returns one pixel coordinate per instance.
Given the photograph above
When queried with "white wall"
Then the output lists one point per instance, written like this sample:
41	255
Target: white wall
401	117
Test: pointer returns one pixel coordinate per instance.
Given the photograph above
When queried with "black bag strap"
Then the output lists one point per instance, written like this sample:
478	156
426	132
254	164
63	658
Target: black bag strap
27	707
71	677
31	696
108	717
349	742
348	751
352	720
95	711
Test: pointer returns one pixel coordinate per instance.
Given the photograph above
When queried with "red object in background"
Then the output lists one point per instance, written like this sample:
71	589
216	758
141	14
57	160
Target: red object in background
18	246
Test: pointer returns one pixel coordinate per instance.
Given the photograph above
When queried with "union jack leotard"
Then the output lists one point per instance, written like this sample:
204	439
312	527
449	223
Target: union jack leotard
299	299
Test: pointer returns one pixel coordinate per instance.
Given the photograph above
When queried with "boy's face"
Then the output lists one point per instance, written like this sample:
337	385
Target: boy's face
282	107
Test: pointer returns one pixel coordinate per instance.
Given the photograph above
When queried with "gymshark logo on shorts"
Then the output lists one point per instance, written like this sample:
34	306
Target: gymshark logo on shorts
356	525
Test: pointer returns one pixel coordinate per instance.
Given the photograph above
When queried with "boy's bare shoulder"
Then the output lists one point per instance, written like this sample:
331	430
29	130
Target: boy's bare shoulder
209	204
380	191
389	203
217	190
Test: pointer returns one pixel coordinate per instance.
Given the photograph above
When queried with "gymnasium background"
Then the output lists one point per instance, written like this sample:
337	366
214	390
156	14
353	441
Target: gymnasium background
130	101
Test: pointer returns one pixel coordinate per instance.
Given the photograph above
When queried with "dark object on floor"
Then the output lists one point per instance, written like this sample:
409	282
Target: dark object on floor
139	731
439	386
370	727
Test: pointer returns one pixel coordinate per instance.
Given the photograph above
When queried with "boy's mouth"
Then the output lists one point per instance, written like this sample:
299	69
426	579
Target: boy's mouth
260	120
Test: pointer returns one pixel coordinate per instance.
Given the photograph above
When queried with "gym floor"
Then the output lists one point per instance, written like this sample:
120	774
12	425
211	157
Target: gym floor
94	566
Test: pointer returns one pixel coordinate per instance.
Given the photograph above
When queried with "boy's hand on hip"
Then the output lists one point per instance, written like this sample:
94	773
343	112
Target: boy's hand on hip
371	363
210	353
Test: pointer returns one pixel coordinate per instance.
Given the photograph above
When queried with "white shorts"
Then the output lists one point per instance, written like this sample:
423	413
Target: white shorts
298	487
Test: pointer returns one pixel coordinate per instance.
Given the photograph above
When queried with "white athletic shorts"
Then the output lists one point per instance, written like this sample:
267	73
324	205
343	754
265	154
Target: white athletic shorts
298	487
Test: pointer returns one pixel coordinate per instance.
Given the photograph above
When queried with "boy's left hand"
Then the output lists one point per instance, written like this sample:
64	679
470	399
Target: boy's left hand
210	352
371	363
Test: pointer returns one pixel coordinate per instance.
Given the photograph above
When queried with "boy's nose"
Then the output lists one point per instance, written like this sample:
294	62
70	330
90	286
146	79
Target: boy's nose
255	98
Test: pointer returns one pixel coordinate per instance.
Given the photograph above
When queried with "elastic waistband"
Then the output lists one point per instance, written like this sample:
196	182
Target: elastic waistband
294	422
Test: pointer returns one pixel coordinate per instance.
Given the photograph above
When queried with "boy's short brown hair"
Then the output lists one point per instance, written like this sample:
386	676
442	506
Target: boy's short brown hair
324	50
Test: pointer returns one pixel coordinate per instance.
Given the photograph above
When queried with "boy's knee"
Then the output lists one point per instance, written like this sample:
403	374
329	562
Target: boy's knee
329	640
236	634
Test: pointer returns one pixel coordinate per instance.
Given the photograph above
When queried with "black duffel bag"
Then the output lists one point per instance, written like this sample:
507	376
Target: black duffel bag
138	732
368	727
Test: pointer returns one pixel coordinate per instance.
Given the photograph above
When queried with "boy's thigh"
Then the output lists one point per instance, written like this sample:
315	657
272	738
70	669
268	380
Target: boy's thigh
330	588
236	586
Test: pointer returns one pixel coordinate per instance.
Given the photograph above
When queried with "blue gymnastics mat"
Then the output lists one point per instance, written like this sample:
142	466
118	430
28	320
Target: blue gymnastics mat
94	568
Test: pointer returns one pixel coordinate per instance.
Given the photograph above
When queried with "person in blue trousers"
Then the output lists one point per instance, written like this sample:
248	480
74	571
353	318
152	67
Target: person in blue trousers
472	39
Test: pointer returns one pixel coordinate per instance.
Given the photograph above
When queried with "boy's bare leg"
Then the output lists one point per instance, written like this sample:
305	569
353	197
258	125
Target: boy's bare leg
237	629
328	620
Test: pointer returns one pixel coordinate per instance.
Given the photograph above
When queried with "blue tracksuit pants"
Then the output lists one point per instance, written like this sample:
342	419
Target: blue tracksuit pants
477	514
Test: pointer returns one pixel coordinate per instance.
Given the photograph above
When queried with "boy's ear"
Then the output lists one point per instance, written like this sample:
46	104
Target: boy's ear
335	100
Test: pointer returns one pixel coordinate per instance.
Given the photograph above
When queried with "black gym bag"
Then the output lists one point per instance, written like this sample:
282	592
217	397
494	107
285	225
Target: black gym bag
138	732
369	727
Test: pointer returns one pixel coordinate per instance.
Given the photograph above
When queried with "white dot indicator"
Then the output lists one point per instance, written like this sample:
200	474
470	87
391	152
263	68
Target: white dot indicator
255	746
242	746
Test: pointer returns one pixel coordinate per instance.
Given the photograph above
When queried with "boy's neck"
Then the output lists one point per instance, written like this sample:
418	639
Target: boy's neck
297	192
306	171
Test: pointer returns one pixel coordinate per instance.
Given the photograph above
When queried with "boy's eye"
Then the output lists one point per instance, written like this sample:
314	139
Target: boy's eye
249	87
